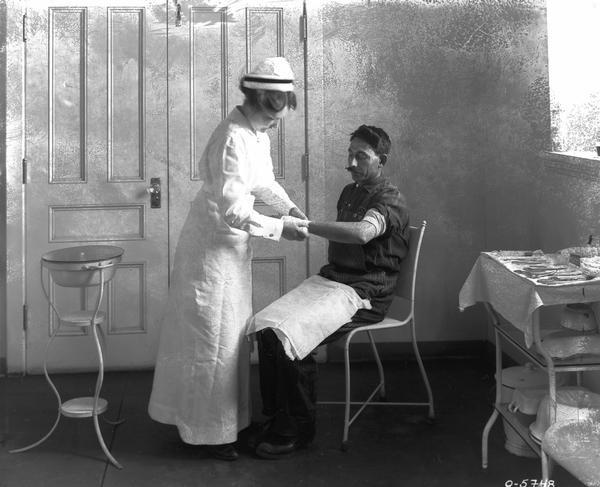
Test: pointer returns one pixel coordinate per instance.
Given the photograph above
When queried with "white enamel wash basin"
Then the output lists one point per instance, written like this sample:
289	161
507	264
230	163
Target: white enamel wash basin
79	266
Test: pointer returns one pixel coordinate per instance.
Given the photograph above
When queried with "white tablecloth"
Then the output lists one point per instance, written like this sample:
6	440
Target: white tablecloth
494	280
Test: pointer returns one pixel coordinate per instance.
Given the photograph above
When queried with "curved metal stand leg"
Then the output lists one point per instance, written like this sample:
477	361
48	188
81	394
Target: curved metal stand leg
96	395
53	387
103	348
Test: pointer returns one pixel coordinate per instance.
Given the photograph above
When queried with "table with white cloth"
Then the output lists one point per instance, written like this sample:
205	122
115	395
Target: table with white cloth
514	286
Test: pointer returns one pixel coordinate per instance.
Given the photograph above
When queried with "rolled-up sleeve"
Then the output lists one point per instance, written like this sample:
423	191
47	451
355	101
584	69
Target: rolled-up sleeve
237	200
392	205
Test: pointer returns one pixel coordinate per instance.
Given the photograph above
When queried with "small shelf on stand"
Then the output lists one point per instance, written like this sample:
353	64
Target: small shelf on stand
83	407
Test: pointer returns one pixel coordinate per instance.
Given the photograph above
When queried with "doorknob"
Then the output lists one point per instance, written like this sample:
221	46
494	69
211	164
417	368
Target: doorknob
154	192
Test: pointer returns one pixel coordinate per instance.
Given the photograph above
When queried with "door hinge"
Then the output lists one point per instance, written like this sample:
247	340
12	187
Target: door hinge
305	159
25	317
303	27
24	171
24	27
177	4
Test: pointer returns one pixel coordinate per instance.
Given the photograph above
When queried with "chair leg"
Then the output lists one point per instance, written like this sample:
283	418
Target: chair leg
379	367
431	413
347	405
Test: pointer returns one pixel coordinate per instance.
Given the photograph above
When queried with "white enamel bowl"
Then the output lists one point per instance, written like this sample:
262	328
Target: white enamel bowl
81	266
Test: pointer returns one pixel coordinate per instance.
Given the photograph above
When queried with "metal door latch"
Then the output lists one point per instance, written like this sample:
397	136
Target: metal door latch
155	192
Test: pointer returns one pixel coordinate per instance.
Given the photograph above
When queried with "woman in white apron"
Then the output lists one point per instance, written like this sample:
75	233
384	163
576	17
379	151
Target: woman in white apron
201	380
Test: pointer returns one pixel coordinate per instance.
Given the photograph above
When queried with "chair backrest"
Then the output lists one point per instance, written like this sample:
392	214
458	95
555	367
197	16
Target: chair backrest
405	288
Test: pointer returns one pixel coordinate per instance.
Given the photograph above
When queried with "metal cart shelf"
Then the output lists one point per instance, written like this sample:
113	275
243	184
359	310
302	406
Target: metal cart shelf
507	294
504	330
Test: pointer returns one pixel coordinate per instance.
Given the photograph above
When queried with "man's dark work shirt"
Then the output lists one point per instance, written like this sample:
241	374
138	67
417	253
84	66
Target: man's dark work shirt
371	269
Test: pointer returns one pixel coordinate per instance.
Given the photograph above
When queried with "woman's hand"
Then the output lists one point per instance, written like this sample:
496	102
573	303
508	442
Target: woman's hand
295	212
239	212
294	228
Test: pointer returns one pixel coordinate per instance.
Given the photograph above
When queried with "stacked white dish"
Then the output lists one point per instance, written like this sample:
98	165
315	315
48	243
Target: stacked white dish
590	266
572	404
524	405
579	317
522	388
575	445
566	344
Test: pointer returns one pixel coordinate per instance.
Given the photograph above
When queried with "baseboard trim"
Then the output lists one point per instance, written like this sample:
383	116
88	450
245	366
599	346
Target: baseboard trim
403	350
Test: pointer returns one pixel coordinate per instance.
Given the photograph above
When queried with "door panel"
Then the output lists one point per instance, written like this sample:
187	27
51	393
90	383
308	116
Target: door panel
96	132
209	50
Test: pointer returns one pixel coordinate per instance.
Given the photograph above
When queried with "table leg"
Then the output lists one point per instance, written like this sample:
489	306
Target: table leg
547	462
484	439
547	466
494	416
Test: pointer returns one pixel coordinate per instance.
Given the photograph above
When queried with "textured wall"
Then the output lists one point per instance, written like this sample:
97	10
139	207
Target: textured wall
461	87
2	184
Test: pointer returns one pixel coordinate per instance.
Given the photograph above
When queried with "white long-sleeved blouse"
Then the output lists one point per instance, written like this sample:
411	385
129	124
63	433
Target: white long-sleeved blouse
238	168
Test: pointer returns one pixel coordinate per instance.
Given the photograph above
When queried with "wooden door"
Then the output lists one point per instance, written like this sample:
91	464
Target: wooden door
118	93
96	133
211	44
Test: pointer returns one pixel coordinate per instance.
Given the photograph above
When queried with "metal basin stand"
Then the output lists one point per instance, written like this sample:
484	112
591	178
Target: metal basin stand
82	266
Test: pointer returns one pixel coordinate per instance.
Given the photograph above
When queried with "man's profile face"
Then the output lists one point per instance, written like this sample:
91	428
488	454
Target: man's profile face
363	162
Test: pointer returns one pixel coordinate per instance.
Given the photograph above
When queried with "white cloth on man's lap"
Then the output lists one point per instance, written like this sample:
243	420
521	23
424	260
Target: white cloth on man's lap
308	314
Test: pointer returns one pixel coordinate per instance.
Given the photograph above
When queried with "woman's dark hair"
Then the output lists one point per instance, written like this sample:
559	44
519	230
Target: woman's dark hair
272	101
375	137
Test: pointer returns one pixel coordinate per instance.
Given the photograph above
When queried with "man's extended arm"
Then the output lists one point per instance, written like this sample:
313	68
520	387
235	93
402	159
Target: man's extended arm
361	232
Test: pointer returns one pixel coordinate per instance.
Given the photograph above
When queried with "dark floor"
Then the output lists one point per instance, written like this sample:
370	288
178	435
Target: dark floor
389	446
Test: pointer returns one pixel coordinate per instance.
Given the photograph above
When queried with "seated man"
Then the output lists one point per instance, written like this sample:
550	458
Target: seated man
366	245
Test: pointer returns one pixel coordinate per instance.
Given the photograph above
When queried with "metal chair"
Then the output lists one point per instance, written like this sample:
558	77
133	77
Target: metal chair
405	289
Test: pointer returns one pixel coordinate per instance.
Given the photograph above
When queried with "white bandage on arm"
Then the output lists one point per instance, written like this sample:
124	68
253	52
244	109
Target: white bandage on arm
376	219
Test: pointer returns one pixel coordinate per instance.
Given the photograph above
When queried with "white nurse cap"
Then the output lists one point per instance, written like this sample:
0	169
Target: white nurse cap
274	73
